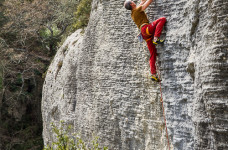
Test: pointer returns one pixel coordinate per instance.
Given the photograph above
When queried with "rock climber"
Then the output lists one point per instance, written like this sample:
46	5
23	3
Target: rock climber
150	32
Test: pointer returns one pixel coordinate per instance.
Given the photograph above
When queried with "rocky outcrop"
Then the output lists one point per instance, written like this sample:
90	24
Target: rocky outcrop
100	83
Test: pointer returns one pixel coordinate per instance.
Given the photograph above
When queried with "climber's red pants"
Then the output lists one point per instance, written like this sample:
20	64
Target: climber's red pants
154	30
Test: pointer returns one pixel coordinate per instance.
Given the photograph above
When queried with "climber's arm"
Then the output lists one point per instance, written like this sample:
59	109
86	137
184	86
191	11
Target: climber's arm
146	4
142	2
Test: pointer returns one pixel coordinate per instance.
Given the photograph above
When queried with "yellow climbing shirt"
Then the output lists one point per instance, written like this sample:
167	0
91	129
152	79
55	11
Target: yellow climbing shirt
139	16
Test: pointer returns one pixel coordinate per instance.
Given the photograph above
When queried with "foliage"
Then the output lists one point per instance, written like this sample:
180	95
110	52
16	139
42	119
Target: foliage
2	16
24	20
45	32
50	38
67	141
1	77
30	33
82	14
31	23
1	83
27	24
2	19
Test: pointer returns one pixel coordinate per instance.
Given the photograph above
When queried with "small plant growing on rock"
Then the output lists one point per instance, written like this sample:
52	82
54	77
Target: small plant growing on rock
82	14
67	141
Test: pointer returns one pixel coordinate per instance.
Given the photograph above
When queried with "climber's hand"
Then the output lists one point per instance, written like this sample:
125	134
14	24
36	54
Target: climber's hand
146	4
142	2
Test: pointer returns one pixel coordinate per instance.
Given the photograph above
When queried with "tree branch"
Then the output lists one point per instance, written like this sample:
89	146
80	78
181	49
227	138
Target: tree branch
64	29
50	30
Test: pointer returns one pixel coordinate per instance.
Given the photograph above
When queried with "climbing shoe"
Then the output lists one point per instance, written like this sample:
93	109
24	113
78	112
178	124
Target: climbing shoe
156	79
159	42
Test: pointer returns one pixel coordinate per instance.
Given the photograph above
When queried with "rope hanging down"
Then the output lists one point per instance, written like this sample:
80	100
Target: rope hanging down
167	136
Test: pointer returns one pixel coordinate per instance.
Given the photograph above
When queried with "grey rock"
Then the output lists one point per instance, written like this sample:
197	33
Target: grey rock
99	83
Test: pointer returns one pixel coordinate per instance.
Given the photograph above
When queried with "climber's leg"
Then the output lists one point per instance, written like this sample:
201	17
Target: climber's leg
158	26
155	29
153	54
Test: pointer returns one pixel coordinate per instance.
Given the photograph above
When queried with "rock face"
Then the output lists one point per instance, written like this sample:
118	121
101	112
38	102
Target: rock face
100	83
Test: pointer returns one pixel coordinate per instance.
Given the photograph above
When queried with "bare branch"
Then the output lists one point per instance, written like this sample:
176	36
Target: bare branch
49	27
64	29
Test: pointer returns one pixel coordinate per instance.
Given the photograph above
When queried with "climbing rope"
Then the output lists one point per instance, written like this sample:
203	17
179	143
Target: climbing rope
167	136
163	109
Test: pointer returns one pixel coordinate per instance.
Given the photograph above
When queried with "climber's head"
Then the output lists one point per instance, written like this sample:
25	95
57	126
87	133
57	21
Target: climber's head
129	5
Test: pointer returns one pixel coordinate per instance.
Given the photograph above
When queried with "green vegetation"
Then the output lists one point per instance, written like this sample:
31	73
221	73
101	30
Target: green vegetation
2	19
46	33
82	14
16	84
70	141
1	79
51	35
30	33
2	16
24	130
1	86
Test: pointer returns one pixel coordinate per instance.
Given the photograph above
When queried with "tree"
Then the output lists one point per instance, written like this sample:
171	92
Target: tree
66	140
31	31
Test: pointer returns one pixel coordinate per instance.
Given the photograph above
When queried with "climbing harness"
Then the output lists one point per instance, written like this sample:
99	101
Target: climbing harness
140	37
143	25
147	32
167	136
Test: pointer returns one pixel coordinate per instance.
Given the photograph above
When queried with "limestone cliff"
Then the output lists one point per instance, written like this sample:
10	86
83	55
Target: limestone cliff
100	83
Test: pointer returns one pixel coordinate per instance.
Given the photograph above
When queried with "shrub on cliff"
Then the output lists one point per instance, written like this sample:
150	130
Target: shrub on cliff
67	141
82	14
